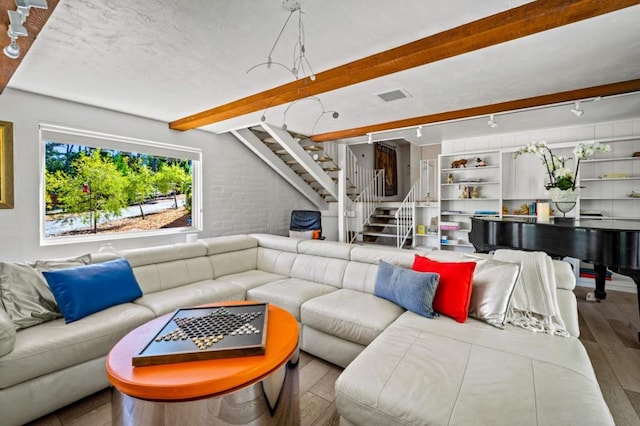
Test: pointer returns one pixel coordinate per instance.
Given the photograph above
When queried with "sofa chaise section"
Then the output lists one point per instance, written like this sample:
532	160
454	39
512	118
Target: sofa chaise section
444	372
65	360
339	325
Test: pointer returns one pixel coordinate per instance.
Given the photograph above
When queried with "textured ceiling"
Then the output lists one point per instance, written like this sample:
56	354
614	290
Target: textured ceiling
165	59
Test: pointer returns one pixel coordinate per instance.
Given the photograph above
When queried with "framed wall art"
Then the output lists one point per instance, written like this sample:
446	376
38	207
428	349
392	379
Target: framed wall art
6	165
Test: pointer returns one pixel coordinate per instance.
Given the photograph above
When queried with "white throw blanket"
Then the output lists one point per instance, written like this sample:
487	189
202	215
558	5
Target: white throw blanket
534	304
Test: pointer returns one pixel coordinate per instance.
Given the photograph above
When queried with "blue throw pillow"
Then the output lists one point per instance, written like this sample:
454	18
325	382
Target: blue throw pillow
84	290
412	290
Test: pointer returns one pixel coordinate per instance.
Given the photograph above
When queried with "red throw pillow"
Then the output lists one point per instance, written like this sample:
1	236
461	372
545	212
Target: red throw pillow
454	291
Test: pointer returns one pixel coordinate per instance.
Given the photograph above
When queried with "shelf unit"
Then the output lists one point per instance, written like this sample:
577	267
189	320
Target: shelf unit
608	181
427	208
506	185
466	192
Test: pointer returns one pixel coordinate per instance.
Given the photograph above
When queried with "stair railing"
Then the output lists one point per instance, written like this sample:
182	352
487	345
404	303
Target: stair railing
366	201
404	216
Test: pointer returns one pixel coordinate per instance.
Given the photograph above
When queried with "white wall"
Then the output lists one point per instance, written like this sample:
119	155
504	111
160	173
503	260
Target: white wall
556	135
240	193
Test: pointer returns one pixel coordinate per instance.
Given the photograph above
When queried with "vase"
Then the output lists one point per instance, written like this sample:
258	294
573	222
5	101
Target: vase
564	199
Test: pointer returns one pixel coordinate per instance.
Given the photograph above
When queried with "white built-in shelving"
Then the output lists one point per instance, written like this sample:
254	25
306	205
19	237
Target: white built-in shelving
472	190
508	187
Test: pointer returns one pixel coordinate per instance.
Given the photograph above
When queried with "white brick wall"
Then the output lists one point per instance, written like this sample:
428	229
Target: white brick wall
245	195
240	193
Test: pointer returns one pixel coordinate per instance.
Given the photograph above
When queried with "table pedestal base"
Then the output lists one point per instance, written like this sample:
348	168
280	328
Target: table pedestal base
272	401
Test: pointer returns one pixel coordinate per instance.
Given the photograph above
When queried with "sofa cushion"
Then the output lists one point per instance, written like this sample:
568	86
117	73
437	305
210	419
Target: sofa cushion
289	294
275	261
233	262
84	290
444	372
350	315
250	279
55	345
360	276
277	242
323	270
326	249
216	245
24	291
410	289
454	290
493	284
375	254
7	332
190	295
166	253
172	274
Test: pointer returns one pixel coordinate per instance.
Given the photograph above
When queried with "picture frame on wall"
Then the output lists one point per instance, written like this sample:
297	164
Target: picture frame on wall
6	165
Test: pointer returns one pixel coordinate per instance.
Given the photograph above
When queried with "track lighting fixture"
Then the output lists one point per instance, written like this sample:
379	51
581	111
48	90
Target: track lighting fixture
419	132
492	122
23	7
370	140
16	28
577	111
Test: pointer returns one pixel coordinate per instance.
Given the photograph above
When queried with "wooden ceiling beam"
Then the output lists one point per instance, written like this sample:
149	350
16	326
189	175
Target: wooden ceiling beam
536	101
528	19
34	24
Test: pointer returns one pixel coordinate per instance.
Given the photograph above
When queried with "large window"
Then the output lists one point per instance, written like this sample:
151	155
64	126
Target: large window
97	187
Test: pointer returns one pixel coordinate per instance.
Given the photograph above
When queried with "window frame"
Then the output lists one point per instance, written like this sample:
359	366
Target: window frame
125	144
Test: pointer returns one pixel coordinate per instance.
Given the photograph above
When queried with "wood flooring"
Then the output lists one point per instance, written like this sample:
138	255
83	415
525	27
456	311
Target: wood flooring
608	332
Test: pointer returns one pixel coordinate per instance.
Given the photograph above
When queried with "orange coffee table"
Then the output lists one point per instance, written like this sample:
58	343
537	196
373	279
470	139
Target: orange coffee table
261	389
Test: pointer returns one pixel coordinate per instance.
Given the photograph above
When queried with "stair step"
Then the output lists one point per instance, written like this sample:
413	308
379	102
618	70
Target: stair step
281	152
299	136
380	234
383	225
324	159
291	162
269	140
312	148
331	169
390	216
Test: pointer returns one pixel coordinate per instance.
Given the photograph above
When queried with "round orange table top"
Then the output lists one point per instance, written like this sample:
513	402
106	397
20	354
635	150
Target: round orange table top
198	379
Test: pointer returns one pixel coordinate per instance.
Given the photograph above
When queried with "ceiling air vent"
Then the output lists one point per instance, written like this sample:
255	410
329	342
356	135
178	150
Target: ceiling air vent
393	95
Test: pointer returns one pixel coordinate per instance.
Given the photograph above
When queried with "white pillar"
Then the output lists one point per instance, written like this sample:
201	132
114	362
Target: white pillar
342	191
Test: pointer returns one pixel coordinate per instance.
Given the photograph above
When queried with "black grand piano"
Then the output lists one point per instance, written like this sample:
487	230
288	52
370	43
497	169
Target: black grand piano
613	244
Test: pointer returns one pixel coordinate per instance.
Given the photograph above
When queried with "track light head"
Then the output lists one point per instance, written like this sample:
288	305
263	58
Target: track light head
370	140
419	132
577	111
492	122
12	50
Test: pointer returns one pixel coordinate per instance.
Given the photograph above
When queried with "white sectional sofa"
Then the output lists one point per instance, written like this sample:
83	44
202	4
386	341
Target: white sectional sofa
401	368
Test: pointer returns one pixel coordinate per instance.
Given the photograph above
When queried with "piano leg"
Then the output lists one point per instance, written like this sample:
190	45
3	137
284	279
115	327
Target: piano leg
601	276
634	274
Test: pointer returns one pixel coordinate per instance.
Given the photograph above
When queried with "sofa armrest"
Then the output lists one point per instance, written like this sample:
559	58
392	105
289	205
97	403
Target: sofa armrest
7	332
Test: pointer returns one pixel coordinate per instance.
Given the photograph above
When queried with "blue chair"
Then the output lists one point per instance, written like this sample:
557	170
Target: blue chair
306	224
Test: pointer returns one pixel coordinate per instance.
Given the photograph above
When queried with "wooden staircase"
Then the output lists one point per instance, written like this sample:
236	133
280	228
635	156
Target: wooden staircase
382	227
312	163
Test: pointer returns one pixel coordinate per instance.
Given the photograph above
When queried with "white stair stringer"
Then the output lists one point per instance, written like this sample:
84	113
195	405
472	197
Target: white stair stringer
261	150
302	157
